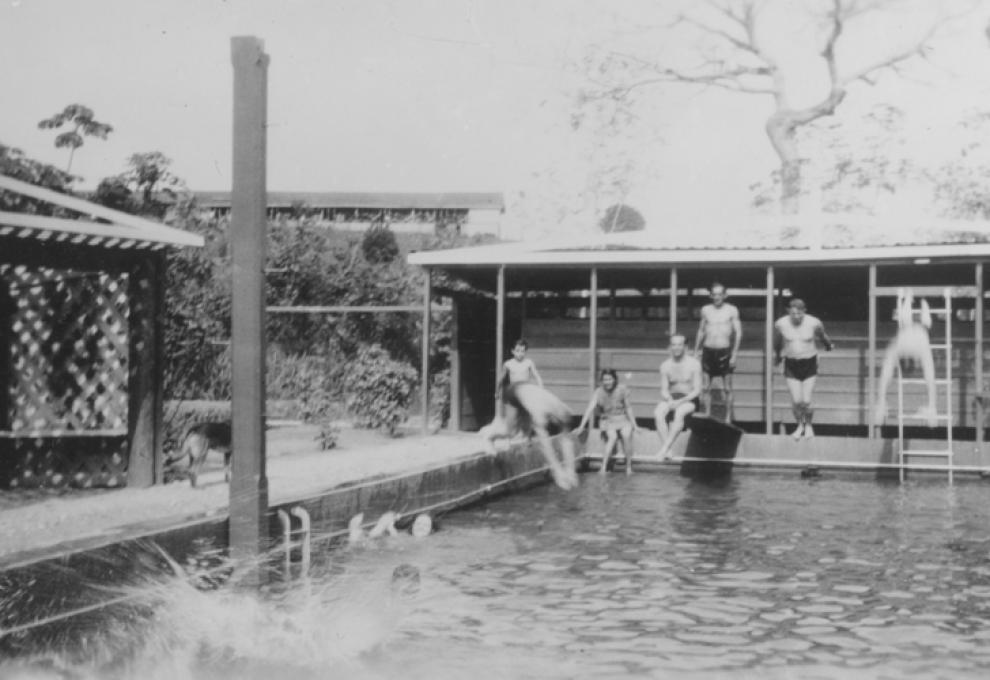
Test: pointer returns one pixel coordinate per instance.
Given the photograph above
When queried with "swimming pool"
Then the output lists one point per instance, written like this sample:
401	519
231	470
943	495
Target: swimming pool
652	575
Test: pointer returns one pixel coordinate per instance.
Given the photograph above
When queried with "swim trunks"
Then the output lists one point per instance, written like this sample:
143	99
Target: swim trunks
677	395
716	361
801	369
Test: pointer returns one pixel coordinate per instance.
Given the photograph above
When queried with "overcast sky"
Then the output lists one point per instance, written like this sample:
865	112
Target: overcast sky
417	95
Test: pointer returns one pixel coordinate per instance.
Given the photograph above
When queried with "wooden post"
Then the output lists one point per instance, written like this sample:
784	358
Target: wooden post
768	365
248	238
146	374
593	328
425	386
978	358
499	322
455	366
871	354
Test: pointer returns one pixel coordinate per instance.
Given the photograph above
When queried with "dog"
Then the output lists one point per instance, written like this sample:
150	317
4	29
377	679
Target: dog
199	440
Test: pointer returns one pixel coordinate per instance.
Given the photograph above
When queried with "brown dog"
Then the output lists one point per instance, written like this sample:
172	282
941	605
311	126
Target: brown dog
200	440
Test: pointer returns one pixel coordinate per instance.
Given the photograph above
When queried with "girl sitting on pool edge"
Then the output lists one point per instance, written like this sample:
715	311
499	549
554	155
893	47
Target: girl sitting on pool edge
616	418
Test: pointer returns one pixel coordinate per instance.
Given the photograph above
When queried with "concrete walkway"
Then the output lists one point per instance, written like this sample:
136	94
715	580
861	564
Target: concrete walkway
297	469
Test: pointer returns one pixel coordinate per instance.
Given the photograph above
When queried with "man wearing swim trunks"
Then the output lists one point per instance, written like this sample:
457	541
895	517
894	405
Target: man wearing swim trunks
719	335
680	387
795	340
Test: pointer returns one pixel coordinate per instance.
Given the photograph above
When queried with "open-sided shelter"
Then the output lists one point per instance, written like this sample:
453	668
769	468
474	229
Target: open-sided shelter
81	342
613	300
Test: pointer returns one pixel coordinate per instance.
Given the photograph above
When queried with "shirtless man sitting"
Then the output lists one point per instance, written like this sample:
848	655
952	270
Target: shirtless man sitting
680	387
912	343
719	335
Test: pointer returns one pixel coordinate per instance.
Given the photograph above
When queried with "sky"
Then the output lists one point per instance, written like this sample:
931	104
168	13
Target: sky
443	95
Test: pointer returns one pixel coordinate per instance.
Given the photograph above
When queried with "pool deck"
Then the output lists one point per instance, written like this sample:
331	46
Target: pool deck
45	525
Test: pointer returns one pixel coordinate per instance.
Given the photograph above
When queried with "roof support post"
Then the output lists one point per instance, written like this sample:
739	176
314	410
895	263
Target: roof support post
768	352
523	293
499	324
593	329
248	236
425	377
455	366
146	371
978	357
673	300
871	355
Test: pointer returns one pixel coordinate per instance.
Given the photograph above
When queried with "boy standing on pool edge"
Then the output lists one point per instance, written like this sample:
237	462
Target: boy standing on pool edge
795	340
518	368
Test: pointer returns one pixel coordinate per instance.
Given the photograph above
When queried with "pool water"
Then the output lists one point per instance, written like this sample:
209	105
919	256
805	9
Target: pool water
654	575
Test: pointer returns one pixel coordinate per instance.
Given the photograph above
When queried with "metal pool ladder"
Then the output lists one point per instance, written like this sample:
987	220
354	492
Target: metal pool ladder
904	453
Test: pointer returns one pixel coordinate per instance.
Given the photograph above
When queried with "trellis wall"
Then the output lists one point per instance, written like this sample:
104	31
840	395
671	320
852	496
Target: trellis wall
64	349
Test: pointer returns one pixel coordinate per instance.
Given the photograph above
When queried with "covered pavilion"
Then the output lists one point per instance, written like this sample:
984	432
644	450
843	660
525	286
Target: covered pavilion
613	301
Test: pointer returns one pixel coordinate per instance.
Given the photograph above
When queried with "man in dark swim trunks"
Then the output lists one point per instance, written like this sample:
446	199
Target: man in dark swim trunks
719	335
680	387
529	407
795	340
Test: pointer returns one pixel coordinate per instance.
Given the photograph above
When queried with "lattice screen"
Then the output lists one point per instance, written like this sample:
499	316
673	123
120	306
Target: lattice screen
66	339
68	350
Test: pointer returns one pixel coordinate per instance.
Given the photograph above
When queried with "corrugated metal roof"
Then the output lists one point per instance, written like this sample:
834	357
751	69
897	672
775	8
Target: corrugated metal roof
118	230
825	237
366	201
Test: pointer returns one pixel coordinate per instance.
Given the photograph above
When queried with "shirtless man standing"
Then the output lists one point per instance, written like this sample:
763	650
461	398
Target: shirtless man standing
795	340
680	387
719	335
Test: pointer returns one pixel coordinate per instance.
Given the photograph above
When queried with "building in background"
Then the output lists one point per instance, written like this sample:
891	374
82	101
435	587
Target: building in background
468	213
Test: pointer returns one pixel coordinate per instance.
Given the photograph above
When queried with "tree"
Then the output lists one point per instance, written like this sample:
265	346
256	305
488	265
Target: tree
737	53
147	188
82	124
621	217
865	167
13	163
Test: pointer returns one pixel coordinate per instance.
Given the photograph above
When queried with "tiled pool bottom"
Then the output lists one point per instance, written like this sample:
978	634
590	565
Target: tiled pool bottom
649	576
658	576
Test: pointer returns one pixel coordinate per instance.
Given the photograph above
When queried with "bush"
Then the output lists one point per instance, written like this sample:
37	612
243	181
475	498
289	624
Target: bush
379	389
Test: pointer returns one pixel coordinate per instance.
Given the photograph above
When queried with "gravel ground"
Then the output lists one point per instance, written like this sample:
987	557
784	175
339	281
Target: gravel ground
38	520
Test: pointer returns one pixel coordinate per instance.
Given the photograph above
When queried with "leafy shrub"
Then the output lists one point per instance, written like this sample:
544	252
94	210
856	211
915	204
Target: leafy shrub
328	435
379	389
379	245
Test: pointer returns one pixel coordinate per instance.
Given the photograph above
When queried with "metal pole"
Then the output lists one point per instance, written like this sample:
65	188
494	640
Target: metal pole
499	320
978	358
425	386
593	327
523	294
248	237
673	300
871	354
768	351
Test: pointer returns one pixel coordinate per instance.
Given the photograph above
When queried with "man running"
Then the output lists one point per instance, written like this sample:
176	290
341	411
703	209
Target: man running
912	343
680	387
719	335
795	340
